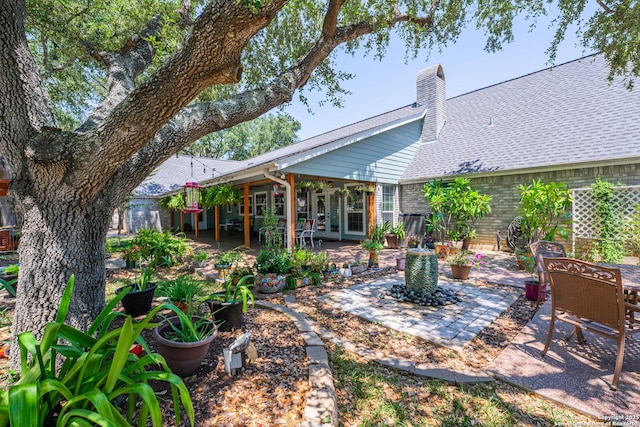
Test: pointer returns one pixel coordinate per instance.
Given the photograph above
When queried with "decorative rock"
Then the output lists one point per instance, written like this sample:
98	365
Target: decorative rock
439	297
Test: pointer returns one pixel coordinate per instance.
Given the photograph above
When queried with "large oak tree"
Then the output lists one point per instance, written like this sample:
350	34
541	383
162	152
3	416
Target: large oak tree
146	78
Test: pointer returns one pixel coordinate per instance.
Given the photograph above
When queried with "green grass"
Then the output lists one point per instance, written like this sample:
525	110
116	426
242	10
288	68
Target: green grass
125	243
370	394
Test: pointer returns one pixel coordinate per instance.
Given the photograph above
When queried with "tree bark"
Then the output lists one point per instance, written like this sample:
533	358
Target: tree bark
55	244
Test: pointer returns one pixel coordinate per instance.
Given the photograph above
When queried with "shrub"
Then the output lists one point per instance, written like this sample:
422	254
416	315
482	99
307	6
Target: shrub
160	244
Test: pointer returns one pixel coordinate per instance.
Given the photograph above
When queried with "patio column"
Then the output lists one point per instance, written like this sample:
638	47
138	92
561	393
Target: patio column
371	207
292	206
246	219
217	222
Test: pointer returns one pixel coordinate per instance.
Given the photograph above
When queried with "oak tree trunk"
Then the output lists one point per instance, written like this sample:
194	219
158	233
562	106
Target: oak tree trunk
55	244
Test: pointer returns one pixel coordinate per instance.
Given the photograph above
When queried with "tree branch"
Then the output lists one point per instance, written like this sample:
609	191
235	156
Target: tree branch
196	121
123	68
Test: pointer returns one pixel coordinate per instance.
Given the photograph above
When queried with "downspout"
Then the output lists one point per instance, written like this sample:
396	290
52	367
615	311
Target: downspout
286	185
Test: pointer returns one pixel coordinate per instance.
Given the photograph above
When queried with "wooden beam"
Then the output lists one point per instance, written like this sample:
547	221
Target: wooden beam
217	222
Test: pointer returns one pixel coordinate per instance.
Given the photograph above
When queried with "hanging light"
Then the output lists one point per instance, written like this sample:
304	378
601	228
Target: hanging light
192	197
275	189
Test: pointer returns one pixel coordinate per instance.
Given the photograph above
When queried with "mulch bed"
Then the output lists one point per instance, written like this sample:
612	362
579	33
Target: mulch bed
272	389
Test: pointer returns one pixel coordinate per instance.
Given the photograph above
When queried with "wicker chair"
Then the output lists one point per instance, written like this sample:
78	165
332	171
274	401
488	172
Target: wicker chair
588	296
540	249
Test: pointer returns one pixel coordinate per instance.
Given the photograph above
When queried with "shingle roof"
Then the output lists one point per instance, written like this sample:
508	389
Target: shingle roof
177	171
564	115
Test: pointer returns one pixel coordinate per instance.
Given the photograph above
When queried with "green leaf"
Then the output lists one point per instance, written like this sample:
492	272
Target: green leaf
85	417
63	309
23	405
121	354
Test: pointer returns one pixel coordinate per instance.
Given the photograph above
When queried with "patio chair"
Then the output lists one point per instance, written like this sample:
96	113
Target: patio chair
588	296
307	232
539	250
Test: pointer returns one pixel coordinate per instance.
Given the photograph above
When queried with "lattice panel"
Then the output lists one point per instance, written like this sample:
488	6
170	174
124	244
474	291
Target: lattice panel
585	224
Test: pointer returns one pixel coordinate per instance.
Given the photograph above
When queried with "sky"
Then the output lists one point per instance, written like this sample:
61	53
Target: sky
384	86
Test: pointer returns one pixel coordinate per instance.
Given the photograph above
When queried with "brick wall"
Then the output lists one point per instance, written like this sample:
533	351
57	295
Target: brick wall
504	190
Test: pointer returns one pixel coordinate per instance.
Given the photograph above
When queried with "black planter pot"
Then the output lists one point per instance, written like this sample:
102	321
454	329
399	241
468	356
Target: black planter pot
183	358
138	302
228	315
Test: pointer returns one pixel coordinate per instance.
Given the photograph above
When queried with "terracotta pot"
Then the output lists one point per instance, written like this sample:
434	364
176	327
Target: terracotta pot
460	271
183	358
137	303
400	263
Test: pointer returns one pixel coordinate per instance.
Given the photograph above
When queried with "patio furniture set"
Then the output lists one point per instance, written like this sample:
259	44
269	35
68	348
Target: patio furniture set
599	298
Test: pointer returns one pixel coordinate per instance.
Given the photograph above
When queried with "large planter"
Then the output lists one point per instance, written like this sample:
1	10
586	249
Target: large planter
460	271
271	283
392	241
183	358
229	314
137	303
421	271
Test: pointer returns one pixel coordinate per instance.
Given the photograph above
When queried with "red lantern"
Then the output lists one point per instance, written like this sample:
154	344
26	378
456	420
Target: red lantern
192	197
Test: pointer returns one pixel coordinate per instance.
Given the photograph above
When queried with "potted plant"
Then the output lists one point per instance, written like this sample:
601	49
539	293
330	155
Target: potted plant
221	195
224	261
319	186
200	259
141	292
413	241
455	207
342	192
462	262
272	265
373	247
182	291
395	235
184	340
544	208
131	256
230	305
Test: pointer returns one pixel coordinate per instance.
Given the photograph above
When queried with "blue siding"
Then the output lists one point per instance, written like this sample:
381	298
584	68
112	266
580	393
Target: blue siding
380	158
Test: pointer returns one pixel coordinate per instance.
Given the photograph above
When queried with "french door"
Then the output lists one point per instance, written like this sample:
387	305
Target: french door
326	211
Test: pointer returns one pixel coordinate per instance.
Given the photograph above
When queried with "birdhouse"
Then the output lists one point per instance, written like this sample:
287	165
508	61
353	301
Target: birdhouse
192	197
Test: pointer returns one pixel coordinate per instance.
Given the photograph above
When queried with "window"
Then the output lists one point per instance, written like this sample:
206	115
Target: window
261	203
279	202
388	205
241	205
355	212
229	209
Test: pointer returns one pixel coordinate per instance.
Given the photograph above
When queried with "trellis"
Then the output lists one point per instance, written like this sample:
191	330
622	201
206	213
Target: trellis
585	224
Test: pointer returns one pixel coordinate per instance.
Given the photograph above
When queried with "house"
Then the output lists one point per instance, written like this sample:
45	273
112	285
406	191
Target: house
565	123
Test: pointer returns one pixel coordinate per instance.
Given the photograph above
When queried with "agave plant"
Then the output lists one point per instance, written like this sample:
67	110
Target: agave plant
99	369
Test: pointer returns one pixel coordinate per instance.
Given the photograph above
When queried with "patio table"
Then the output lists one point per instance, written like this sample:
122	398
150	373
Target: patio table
630	276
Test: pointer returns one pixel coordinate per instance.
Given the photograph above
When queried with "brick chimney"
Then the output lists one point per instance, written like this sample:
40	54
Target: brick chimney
431	92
